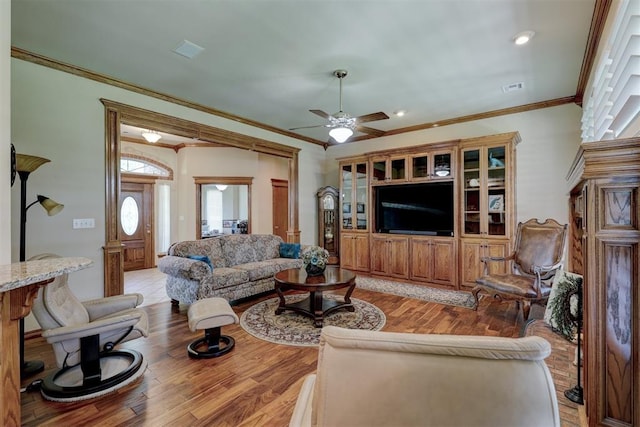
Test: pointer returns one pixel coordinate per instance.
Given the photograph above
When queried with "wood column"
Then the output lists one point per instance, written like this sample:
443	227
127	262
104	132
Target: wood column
293	233
14	305
611	251
113	248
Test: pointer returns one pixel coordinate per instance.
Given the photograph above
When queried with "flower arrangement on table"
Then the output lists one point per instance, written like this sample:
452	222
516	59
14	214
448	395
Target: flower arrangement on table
314	259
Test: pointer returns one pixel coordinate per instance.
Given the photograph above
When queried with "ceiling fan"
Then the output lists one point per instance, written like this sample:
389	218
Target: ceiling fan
342	124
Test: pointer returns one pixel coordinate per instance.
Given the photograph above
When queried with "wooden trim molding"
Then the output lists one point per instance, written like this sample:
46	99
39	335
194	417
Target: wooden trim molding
150	161
293	231
116	113
598	20
140	117
98	77
485	115
113	250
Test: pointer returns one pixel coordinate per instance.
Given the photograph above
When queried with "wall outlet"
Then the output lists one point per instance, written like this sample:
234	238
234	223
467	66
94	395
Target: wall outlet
84	223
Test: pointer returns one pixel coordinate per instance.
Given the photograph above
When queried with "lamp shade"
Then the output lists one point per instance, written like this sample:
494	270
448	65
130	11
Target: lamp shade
27	163
51	206
340	134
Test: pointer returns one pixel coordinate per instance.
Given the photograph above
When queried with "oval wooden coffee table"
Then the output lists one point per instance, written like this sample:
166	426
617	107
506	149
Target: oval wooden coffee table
315	306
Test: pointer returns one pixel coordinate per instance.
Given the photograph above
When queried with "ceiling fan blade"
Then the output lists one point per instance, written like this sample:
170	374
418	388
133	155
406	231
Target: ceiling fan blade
308	127
372	117
370	131
321	114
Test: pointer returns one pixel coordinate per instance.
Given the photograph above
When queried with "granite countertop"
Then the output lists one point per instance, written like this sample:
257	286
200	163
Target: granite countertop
19	274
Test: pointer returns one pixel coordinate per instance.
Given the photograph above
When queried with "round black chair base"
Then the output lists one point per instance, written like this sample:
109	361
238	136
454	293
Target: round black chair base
30	368
118	368
211	350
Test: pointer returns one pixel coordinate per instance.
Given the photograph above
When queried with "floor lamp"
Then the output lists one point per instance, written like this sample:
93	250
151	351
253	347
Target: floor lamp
24	166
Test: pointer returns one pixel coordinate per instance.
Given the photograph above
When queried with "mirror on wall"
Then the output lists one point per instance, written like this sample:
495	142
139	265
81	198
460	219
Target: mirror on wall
223	207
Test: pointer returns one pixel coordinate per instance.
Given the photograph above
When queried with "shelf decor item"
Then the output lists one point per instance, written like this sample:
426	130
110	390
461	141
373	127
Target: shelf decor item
315	260
496	203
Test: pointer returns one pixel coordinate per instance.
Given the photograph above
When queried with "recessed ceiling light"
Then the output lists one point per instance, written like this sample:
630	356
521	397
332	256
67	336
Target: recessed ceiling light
400	113
523	37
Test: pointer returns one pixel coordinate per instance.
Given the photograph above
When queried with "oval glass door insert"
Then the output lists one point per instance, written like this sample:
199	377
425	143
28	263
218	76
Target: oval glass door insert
129	215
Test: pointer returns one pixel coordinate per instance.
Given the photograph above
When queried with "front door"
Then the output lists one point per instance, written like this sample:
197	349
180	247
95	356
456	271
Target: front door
280	207
136	225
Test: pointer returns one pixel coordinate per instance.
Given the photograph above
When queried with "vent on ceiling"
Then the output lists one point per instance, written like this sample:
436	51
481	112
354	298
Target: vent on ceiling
512	87
188	49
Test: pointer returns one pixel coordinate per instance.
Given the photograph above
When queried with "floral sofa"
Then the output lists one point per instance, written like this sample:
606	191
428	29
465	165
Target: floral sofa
233	267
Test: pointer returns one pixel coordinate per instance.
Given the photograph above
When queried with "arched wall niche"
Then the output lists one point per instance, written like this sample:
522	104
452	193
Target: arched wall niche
117	113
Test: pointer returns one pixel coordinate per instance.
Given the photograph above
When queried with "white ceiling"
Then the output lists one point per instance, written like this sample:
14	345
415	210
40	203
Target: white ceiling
271	61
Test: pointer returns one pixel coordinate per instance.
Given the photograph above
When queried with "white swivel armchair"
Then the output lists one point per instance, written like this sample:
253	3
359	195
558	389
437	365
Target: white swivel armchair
373	378
84	335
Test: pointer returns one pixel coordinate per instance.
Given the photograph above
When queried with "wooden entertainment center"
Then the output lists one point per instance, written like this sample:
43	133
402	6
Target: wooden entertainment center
481	172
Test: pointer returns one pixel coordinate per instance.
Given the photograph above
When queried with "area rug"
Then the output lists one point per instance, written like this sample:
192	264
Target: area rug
424	293
291	328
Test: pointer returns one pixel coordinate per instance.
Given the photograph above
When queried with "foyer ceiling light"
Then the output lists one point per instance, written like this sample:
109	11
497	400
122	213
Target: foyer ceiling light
523	37
221	187
151	136
340	134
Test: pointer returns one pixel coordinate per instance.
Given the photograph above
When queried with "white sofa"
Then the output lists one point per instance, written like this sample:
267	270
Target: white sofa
367	378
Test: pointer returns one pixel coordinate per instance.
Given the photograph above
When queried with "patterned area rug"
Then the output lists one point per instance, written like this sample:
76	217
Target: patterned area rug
425	293
291	328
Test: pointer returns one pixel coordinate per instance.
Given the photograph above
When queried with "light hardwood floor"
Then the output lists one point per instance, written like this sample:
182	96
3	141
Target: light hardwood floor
254	385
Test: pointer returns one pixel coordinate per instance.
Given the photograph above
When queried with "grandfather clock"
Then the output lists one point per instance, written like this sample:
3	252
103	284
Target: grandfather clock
328	218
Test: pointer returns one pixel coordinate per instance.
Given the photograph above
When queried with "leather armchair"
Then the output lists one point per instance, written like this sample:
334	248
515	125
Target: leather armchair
538	255
374	378
84	335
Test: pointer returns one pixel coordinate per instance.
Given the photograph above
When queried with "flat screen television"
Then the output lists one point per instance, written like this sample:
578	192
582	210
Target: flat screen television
415	209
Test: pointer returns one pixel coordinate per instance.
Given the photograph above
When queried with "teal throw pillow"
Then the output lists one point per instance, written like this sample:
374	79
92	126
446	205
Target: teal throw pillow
289	250
202	258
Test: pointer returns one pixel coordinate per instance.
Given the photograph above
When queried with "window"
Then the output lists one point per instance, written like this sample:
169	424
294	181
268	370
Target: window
213	211
164	218
143	167
612	109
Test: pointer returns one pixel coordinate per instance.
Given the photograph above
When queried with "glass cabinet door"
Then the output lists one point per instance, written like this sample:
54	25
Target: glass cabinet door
420	167
496	194
361	187
442	167
379	170
347	196
471	202
398	169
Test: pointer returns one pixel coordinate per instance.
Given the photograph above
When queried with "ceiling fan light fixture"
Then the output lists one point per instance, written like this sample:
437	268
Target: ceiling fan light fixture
340	134
523	37
151	136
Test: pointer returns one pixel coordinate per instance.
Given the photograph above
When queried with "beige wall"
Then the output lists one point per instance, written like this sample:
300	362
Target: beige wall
59	116
5	131
550	139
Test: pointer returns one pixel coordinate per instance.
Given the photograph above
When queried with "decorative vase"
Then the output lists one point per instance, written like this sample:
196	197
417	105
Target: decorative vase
314	270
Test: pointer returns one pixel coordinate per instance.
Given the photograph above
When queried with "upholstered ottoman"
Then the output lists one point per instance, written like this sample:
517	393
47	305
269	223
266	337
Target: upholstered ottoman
210	314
